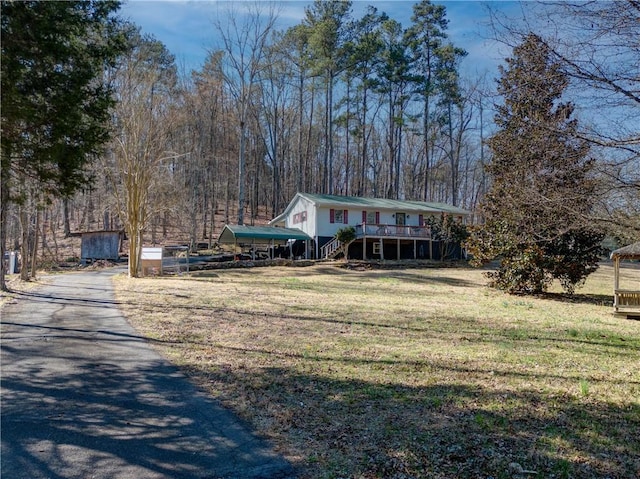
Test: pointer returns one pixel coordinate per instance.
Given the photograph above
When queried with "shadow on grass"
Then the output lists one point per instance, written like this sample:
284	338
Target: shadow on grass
359	274
593	299
420	367
350	428
465	326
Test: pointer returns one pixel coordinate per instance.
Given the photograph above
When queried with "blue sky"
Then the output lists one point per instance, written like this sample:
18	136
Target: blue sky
186	26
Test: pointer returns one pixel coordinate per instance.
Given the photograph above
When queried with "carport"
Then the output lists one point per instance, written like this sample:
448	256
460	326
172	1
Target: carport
262	235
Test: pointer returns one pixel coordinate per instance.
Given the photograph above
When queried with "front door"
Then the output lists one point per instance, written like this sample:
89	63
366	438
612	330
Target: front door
401	219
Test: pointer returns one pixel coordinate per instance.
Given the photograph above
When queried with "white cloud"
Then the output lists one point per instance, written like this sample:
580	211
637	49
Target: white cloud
186	27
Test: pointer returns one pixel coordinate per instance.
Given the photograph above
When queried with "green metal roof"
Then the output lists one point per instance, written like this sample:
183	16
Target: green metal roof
381	203
231	233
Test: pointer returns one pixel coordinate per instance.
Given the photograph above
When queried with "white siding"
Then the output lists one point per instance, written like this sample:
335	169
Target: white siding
318	219
325	227
309	224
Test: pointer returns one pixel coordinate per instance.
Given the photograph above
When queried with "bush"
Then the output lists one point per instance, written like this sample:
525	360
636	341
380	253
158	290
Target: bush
346	235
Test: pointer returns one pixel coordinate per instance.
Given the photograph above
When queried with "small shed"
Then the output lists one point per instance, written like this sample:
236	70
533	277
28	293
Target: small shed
626	301
96	245
260	235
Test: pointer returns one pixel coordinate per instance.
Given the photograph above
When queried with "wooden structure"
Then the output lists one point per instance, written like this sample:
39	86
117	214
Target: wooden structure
625	301
97	245
374	239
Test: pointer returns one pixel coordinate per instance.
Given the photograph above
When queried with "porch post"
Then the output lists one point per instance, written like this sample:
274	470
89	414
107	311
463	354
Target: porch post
381	249
398	249
364	248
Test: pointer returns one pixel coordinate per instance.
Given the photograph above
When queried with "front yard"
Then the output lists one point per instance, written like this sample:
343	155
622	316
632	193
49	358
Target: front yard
415	373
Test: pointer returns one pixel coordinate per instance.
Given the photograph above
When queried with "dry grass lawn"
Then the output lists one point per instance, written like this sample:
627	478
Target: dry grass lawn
408	373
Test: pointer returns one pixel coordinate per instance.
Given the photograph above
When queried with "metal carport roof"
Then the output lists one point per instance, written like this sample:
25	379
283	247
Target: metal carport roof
257	234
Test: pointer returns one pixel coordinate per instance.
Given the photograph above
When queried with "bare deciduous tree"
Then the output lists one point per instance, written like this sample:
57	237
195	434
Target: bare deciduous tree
245	43
143	119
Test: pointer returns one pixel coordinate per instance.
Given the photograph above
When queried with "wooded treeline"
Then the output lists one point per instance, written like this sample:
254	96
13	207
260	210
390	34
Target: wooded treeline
336	104
333	105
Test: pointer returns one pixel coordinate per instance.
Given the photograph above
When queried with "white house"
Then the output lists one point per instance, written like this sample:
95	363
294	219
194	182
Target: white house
385	229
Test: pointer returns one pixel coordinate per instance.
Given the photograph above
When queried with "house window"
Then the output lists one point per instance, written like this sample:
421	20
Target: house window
373	217
300	217
376	248
339	216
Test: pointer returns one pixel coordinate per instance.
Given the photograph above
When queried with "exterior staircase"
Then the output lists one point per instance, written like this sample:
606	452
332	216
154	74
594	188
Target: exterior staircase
332	249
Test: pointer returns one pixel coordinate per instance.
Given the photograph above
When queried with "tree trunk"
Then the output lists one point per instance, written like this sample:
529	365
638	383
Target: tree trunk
34	245
330	132
4	205
301	169
24	245
65	213
135	252
427	166
453	159
241	174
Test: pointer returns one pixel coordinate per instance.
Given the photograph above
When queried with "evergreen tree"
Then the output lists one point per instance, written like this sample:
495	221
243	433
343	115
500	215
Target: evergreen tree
365	55
425	38
327	22
54	105
394	88
542	191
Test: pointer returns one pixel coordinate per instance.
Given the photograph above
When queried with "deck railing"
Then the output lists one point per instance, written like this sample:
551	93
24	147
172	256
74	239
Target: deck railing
393	231
331	247
626	301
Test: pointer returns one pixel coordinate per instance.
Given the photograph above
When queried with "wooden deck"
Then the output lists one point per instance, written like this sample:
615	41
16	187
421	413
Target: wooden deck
379	233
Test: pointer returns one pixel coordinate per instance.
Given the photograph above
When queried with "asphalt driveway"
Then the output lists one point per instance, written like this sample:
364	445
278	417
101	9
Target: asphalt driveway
83	396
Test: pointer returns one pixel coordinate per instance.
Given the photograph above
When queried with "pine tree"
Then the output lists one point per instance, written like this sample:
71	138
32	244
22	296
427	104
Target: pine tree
542	191
55	106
